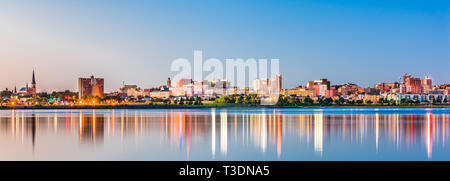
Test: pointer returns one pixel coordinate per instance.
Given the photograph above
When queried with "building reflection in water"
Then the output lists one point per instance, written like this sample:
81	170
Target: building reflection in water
318	133
20	127
223	132
213	132
265	131
429	136
92	128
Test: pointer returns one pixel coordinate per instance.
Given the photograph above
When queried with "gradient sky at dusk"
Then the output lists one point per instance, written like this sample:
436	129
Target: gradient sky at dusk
364	42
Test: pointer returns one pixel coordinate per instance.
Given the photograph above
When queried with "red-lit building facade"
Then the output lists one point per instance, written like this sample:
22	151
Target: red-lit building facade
90	87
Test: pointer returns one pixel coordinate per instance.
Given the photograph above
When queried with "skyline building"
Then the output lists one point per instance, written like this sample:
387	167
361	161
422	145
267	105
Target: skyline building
427	84
319	87
90	87
268	89
169	83
32	90
387	87
27	90
413	85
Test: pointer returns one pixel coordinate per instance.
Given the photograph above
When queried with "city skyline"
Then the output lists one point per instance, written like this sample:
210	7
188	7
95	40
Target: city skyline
362	42
30	87
210	89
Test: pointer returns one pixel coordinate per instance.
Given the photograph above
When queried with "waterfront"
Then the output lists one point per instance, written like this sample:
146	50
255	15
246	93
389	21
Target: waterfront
226	134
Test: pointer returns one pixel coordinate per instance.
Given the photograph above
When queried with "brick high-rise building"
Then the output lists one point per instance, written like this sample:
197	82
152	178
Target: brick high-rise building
332	92
413	85
319	87
90	87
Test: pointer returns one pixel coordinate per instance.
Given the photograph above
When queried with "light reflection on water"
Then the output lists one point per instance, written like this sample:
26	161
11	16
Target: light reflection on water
225	134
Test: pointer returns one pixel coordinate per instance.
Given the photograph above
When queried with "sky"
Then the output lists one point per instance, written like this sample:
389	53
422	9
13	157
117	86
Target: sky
135	42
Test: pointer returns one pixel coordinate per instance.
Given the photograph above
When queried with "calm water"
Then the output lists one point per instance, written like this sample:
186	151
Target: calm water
226	134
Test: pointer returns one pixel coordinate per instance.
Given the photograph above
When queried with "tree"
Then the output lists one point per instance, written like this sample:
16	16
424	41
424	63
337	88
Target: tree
254	100
220	100
369	102
246	100
308	100
439	99
327	101
339	101
292	101
198	101
239	100
320	100
298	101
432	100
5	94
403	101
231	99
43	94
181	102
281	101
190	100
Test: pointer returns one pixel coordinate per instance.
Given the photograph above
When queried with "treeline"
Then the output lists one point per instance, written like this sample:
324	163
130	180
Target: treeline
239	99
187	101
41	98
231	99
307	101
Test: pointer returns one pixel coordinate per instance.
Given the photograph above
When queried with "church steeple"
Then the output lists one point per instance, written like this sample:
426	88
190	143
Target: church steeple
33	80
32	90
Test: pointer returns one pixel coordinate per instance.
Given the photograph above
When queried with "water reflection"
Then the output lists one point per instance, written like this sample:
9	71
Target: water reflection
91	127
270	134
318	133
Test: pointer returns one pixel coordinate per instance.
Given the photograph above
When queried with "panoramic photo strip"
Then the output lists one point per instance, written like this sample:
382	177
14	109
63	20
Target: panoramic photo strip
214	90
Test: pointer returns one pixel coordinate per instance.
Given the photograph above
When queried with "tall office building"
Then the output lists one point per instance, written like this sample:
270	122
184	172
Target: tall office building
413	85
319	87
90	87
270	86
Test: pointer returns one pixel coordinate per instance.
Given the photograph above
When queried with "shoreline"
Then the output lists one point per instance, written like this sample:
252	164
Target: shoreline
147	106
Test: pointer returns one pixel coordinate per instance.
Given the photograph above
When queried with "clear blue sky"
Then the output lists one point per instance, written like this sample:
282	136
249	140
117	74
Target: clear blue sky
364	42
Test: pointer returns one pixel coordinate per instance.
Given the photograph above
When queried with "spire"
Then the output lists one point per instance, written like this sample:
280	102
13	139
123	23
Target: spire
33	80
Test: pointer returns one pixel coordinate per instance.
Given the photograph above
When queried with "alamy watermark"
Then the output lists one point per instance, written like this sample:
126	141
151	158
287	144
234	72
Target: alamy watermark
237	76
